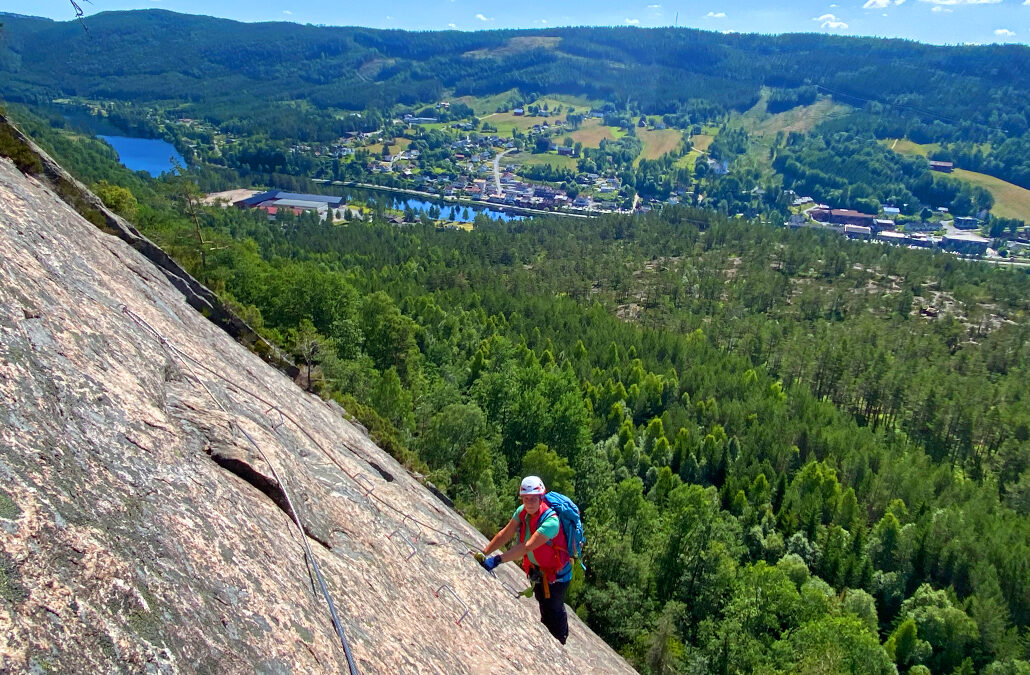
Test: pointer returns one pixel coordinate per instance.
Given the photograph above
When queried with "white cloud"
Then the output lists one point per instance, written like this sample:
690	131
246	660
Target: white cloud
715	15
633	22
876	4
483	18
939	9
659	6
286	11
962	2
451	25
831	22
1004	32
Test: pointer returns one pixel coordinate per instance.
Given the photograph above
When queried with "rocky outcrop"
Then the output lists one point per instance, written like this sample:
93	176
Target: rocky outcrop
142	531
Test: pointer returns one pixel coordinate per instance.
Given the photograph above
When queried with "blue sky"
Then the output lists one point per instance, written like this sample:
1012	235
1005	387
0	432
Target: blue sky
934	21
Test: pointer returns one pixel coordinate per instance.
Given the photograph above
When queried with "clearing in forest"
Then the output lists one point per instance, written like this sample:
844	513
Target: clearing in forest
903	146
516	45
657	142
801	119
592	131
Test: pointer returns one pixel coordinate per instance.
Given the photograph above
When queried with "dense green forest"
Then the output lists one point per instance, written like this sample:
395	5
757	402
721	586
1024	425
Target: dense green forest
224	70
854	171
794	453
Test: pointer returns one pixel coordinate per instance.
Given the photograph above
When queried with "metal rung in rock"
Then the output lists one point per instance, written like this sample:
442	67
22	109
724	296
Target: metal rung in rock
416	530
400	534
464	550
451	591
282	420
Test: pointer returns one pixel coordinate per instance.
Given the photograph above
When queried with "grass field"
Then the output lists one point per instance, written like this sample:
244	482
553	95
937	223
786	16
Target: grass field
399	143
506	121
658	142
688	160
1010	201
759	122
592	131
702	141
802	119
529	159
486	104
903	146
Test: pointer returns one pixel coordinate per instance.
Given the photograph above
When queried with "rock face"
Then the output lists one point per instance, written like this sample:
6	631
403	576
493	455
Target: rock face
143	532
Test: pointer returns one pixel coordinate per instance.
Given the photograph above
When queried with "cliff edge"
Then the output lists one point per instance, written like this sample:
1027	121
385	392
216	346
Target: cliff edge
148	468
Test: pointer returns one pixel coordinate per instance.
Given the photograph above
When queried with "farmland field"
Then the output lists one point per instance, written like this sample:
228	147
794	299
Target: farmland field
591	133
658	142
702	141
525	158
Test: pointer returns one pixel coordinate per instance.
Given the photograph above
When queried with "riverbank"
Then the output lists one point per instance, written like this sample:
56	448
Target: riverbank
476	203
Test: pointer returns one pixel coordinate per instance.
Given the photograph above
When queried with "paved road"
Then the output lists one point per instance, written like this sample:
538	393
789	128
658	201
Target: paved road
497	169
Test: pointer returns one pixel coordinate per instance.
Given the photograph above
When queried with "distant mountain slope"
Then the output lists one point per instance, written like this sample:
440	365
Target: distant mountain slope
154	54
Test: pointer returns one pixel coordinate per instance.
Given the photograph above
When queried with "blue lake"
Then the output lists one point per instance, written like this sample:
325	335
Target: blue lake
145	154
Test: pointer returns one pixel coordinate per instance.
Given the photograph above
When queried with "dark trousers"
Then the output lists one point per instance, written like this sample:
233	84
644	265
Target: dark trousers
552	609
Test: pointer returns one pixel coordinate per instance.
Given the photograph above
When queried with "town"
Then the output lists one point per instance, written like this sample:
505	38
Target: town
552	155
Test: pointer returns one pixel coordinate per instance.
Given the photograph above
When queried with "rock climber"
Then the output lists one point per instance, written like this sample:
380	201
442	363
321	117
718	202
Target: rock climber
542	547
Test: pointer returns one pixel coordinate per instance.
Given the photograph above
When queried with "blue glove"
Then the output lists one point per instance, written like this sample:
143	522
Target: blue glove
490	563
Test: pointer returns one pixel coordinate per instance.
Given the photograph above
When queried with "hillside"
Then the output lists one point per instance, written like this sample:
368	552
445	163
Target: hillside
134	55
148	478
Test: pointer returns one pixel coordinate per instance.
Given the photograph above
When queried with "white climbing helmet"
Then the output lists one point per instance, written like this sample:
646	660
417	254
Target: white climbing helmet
532	485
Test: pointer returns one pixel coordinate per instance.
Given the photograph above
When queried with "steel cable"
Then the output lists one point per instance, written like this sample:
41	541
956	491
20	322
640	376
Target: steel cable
185	359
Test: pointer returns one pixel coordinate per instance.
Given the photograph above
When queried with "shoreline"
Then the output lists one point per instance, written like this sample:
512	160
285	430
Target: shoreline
506	208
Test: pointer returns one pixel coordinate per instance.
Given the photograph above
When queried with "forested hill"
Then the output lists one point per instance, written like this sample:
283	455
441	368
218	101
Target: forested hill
794	453
955	92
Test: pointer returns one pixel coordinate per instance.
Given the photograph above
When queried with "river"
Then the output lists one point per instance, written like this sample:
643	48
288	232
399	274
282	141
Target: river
461	213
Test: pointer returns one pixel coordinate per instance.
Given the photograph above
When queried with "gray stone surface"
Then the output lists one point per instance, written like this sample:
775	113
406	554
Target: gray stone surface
134	536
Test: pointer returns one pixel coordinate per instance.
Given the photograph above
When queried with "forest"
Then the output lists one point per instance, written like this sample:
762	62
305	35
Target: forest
971	94
794	453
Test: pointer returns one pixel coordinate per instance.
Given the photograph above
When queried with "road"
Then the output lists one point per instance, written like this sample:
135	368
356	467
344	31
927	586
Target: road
497	169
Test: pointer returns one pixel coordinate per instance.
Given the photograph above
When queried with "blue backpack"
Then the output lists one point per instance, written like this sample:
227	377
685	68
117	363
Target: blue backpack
572	525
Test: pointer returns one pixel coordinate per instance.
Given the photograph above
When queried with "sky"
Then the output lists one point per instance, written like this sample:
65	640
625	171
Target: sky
932	21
